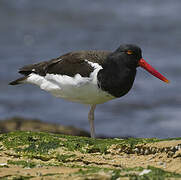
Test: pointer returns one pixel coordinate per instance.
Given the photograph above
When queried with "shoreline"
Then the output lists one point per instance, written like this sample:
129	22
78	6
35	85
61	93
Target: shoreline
38	155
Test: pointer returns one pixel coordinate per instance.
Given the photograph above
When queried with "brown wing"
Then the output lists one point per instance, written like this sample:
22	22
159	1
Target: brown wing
69	64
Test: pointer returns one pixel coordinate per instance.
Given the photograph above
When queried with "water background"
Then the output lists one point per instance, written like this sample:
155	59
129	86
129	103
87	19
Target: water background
32	31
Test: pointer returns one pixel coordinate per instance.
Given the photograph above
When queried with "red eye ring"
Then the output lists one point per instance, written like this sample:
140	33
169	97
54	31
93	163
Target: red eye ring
129	52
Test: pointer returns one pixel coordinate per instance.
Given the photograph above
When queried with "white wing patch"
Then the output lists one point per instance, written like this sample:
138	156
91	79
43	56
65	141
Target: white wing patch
78	89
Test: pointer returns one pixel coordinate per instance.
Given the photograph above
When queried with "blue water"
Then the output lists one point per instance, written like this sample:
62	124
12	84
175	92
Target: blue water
32	31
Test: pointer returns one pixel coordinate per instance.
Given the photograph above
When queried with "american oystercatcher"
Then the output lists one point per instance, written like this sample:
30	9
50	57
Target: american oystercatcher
88	77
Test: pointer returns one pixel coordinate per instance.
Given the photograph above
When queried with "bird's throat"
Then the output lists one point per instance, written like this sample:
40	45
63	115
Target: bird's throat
116	82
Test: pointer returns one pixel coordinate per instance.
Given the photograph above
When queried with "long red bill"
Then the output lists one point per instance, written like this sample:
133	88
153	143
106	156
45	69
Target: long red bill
151	70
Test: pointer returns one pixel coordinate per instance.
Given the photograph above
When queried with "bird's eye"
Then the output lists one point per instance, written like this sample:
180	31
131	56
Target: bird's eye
129	52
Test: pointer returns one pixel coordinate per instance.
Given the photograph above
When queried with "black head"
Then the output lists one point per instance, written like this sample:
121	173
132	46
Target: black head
129	54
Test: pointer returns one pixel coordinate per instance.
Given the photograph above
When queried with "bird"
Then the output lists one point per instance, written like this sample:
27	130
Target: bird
89	77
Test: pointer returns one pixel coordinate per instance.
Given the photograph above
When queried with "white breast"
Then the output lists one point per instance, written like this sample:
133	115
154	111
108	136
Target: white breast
77	89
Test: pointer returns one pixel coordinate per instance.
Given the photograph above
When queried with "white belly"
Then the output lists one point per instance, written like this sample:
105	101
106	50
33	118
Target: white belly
77	89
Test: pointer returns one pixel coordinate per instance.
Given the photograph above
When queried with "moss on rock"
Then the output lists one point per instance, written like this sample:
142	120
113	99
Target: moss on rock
45	155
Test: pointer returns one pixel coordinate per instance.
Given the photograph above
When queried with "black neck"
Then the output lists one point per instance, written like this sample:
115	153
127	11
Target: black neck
116	78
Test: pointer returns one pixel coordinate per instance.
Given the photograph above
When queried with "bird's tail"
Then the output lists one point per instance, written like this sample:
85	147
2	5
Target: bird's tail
18	81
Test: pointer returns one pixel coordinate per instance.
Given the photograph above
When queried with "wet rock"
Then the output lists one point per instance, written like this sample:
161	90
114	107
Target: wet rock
25	124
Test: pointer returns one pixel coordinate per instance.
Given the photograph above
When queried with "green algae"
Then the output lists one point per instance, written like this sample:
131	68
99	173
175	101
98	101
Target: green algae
44	146
155	173
42	143
132	173
89	145
24	164
64	157
36	142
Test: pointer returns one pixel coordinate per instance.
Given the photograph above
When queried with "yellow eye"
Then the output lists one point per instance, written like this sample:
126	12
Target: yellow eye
129	52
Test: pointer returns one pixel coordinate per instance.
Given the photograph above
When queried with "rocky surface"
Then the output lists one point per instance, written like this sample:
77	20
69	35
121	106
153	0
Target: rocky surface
25	124
38	155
